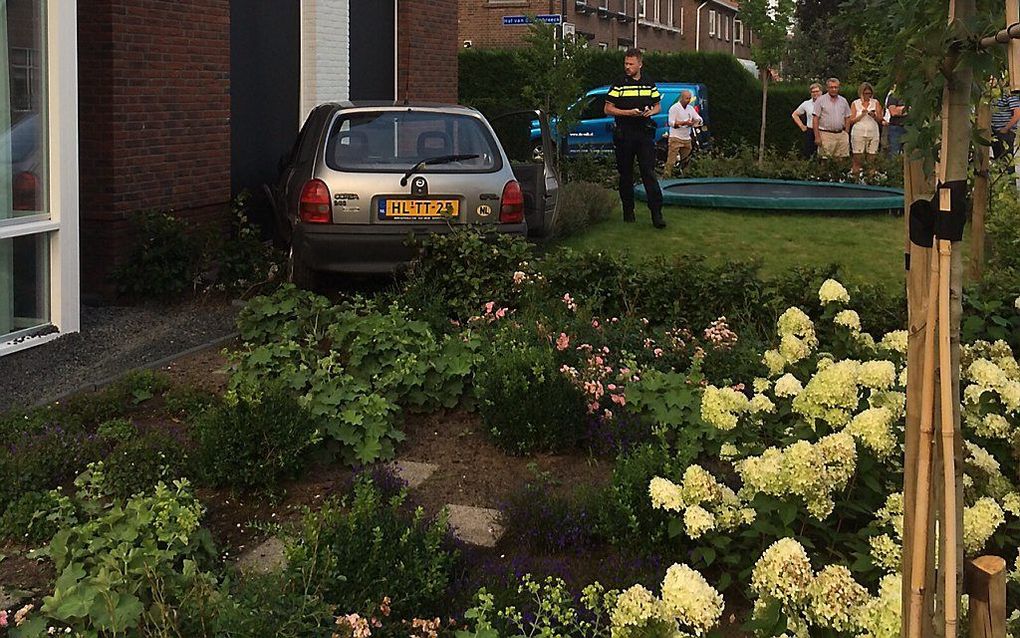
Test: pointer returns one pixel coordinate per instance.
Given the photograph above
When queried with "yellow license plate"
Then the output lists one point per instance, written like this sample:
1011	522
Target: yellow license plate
418	208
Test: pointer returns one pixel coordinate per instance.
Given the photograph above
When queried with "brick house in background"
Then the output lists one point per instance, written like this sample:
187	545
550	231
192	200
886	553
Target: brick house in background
172	105
651	25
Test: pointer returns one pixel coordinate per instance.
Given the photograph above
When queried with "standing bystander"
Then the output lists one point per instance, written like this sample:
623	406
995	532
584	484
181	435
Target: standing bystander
1005	116
682	118
832	115
806	110
633	100
896	117
865	131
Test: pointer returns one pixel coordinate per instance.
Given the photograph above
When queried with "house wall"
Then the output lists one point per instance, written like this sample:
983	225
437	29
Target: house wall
606	23
154	117
325	52
427	50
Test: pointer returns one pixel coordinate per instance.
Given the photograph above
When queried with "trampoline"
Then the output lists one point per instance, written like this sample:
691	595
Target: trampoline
775	194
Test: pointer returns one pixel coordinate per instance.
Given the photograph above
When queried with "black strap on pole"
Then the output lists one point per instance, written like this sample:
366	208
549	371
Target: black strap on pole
930	219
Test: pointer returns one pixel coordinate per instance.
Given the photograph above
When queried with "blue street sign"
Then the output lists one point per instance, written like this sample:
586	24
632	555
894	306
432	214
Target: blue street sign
548	18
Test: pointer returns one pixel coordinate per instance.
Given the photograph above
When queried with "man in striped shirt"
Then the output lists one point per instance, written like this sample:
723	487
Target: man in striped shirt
633	100
1004	124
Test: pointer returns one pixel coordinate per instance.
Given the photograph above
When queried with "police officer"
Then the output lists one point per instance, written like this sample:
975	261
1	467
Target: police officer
633	100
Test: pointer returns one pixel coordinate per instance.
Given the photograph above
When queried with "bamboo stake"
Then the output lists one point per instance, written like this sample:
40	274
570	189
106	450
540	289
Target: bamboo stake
919	556
949	558
1013	48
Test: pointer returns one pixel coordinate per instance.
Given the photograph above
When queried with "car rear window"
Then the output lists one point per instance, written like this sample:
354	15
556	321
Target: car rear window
394	141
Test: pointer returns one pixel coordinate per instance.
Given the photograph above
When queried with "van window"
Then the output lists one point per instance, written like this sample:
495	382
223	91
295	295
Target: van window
595	108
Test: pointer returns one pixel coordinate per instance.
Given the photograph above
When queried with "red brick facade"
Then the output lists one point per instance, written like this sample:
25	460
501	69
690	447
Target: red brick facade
154	84
667	25
427	50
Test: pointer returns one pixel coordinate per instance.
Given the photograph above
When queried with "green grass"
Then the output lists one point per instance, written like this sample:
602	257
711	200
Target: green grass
869	247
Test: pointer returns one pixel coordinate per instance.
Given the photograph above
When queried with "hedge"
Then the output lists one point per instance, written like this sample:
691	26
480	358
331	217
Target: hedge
491	81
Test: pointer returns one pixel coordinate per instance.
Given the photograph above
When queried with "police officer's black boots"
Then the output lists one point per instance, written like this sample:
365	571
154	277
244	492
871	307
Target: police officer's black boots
657	219
629	217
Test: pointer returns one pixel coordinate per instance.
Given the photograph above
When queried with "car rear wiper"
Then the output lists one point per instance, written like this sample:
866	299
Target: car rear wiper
442	159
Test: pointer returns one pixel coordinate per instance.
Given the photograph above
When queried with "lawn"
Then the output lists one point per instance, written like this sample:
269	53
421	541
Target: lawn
869	247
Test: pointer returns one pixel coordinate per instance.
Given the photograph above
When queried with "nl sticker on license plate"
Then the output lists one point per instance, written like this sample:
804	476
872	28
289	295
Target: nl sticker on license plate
418	209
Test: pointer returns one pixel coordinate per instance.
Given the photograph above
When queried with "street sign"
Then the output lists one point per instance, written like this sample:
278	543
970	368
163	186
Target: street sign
548	18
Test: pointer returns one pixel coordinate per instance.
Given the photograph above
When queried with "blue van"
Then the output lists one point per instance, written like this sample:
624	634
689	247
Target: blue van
595	130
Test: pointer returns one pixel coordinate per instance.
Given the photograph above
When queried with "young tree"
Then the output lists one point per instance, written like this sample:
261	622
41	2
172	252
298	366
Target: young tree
771	22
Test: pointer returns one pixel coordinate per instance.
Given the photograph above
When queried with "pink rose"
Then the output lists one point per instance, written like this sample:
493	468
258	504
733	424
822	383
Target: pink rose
562	342
489	306
618	399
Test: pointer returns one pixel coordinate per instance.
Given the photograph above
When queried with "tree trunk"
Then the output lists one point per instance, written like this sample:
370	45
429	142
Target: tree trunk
764	104
982	193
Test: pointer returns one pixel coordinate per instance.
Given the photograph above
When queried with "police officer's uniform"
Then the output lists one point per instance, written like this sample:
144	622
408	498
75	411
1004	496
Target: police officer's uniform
635	137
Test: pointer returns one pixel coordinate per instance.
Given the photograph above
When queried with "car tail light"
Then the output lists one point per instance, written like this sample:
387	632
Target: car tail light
511	205
315	206
26	191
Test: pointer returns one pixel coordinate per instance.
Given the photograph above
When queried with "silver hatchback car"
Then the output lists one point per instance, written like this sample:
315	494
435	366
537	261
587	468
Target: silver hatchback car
362	178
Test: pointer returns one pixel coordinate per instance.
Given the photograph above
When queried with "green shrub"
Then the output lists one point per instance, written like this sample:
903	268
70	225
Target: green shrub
272	605
255	444
243	260
137	464
119	430
526	403
743	162
594	168
164	260
355	552
459	272
627	517
581	205
25	520
188	401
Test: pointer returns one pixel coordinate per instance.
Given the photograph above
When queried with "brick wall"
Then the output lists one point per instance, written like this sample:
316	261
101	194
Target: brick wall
325	53
427	50
154	79
481	22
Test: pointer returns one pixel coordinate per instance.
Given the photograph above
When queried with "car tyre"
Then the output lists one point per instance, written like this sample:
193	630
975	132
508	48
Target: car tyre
298	273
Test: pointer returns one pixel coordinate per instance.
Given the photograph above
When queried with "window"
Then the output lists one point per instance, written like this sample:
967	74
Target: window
641	8
595	108
738	31
681	19
669	13
711	24
727	32
25	80
657	6
603	45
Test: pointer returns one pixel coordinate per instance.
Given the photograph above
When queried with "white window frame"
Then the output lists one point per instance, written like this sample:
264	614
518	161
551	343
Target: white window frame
657	7
712	23
641	8
61	227
669	12
681	19
738	31
726	32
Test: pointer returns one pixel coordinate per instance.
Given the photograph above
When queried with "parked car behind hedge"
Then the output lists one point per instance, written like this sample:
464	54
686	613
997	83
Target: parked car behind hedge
361	178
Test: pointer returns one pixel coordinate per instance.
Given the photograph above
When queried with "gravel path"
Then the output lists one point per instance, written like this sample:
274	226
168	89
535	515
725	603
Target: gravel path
112	341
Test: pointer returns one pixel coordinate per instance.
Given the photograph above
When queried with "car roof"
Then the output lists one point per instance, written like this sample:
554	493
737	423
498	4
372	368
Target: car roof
386	105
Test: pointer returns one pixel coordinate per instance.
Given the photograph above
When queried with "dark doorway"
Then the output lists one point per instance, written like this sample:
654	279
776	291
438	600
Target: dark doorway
373	66
265	84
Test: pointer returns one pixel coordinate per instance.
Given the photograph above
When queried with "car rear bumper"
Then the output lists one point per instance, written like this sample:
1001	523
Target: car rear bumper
368	248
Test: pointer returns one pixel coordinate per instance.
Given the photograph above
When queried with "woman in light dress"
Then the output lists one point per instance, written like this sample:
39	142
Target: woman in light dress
865	118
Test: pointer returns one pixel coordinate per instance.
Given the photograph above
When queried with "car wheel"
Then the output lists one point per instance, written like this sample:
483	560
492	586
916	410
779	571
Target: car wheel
298	273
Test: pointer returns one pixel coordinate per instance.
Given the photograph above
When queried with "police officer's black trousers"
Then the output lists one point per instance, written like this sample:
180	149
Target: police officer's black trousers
641	146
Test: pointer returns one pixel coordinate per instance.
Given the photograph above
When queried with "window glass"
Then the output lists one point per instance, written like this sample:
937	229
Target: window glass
596	108
24	284
393	141
23	166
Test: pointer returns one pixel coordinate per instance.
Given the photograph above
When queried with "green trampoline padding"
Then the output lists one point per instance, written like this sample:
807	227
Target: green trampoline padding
775	194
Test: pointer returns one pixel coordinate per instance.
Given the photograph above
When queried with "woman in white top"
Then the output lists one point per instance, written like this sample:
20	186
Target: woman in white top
865	116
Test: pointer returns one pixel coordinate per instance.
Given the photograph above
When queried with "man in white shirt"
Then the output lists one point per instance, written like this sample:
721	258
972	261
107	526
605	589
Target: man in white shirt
682	117
807	111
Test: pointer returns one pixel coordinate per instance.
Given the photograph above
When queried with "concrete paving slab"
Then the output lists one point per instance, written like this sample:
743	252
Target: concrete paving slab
413	473
265	558
475	525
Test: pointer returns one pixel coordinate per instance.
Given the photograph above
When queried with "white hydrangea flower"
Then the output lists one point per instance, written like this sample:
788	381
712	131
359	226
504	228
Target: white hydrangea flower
665	494
892	513
896	341
697	521
880	375
761	403
848	319
882	616
981	459
980	522
728	451
993	426
831	395
836	599
783	573
690	600
873	428
761	384
1016	303
774	362
832	291
720	407
886	552
636	609
788	386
